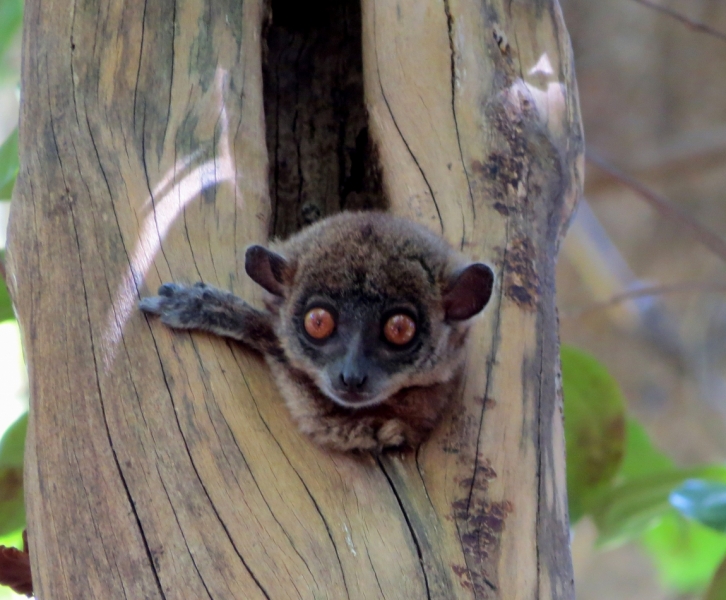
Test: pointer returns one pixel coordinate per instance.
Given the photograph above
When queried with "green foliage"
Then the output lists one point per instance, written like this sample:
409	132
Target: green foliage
12	446
642	458
642	492
640	507
12	510
14	540
6	306
11	19
704	501
594	428
686	553
629	508
717	590
637	502
9	164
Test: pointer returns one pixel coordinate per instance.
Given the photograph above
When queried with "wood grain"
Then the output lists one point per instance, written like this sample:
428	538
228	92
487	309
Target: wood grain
164	465
480	139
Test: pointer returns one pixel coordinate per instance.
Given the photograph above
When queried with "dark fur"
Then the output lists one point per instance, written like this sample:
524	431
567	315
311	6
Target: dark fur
360	265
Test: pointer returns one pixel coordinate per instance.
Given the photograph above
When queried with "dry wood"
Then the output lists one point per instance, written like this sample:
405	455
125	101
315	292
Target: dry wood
163	465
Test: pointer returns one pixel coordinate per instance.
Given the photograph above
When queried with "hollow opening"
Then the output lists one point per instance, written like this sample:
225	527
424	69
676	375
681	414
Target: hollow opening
321	160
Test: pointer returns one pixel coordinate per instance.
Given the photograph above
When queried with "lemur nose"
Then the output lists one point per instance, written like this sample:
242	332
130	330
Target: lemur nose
353	381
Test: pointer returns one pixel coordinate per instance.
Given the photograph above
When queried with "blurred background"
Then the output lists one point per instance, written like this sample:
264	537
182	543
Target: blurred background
653	95
13	377
653	99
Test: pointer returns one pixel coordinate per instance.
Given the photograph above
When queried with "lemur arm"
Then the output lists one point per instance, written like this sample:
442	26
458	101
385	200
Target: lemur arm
207	308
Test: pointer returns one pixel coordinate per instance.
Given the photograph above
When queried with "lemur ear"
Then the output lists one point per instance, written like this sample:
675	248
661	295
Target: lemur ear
468	292
266	268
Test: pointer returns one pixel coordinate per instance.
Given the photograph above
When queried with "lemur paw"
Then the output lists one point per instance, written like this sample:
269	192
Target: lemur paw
391	434
178	306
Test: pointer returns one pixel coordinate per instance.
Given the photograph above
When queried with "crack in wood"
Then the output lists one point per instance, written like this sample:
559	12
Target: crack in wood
411	529
207	496
131	503
300	478
400	133
181	531
452	50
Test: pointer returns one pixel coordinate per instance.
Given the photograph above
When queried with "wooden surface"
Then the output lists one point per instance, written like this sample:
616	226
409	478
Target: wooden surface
164	465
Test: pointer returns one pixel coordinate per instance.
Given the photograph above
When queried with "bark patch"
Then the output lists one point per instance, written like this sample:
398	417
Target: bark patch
521	282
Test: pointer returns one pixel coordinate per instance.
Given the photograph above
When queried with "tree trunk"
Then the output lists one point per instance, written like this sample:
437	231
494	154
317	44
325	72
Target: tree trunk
163	465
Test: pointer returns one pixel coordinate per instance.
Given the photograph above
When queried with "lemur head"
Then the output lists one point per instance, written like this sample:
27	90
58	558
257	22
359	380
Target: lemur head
369	303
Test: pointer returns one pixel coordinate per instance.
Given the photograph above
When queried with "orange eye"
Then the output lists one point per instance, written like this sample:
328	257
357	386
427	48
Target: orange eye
319	323
399	329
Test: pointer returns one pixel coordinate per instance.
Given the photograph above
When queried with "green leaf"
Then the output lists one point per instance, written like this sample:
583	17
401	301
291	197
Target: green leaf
641	456
594	428
704	501
9	164
13	540
628	509
12	509
12	446
635	505
11	18
6	191
6	306
685	552
717	589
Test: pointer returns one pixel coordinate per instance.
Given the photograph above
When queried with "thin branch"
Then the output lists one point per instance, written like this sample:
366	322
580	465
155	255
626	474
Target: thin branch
690	23
711	240
656	290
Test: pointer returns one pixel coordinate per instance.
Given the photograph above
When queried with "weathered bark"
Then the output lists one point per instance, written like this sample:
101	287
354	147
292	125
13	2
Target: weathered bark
163	465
